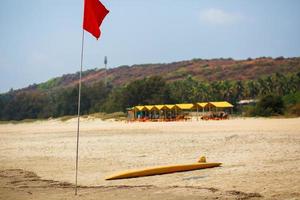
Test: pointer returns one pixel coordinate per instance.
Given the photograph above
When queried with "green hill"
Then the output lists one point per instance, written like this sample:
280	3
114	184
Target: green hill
186	81
199	69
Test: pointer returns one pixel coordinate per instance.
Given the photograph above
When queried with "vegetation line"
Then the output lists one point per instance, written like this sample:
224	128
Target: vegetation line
279	94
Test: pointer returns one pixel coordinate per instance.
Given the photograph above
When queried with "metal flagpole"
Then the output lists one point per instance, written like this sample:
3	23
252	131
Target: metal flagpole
78	113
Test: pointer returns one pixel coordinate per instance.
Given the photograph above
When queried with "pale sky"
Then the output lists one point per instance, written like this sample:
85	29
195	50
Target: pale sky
41	39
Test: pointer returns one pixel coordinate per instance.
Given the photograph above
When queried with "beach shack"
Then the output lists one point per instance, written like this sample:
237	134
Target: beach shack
171	112
130	114
220	105
177	112
218	110
184	111
162	109
139	112
152	112
201	106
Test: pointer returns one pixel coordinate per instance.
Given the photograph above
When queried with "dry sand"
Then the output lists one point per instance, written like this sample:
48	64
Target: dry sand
261	159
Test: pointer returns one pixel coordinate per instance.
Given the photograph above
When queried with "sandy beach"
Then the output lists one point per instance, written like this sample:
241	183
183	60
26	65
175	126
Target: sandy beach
261	159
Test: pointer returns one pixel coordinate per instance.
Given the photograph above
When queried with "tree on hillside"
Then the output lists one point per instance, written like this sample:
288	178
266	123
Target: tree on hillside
94	96
151	90
115	102
269	105
24	105
263	87
214	91
187	90
251	89
66	102
226	90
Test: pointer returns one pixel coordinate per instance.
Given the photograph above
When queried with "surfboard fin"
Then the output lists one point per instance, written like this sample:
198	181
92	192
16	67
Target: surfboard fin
202	159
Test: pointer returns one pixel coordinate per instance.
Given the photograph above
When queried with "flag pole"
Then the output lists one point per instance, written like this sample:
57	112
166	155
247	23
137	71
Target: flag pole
78	112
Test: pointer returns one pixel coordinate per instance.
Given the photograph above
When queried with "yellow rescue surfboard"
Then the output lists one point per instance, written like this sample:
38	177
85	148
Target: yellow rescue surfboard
202	164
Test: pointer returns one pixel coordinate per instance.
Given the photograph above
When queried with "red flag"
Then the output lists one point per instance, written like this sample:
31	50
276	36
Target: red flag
94	13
